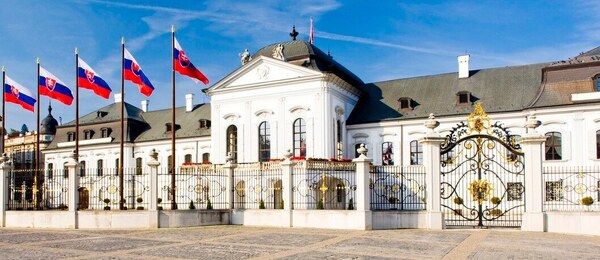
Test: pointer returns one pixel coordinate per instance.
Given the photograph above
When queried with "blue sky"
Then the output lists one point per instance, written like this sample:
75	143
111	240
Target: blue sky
377	40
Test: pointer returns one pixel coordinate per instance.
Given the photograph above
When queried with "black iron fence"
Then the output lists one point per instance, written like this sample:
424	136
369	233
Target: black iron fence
196	187
571	188
100	189
324	185
31	189
258	186
397	188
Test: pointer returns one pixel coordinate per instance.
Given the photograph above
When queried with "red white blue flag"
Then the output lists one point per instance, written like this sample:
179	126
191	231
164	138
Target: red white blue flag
87	78
184	66
133	72
15	93
54	88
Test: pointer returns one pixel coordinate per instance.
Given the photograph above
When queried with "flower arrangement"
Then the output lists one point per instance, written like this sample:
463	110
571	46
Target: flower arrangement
140	200
340	159
106	201
195	163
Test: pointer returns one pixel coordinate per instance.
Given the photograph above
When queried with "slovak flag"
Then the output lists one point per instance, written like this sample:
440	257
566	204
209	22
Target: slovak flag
54	88
184	66
15	93
133	72
87	78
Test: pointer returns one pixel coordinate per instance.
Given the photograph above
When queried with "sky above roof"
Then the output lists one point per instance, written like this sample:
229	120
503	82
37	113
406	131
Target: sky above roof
377	40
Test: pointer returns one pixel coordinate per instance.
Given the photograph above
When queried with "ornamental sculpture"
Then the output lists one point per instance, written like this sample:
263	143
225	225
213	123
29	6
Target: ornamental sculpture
478	120
278	52
245	57
480	190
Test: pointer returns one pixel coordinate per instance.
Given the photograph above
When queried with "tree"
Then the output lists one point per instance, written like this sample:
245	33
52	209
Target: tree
13	133
24	129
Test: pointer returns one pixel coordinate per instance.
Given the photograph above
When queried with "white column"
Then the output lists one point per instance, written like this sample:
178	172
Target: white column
153	163
230	167
287	170
5	168
534	216
73	168
431	160
363	193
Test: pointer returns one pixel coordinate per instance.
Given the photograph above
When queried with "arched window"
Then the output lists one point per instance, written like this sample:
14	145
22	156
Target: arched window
553	146
264	142
138	166
82	169
50	170
598	144
299	137
100	169
387	153
187	158
170	164
117	166
339	147
232	142
206	158
65	171
416	153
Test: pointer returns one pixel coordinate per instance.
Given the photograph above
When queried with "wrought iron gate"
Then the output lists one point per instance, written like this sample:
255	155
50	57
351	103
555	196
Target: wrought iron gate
482	174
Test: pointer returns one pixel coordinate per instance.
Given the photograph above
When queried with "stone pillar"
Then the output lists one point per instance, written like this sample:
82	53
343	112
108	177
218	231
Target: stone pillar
153	205
363	193
229	167
534	218
287	170
5	168
73	170
431	160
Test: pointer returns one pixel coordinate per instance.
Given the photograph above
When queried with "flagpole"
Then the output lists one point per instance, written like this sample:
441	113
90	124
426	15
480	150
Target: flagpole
36	170
173	126
3	108
76	105
121	200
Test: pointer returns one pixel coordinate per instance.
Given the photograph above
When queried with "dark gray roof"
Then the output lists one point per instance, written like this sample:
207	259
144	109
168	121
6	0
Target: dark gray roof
592	52
110	113
188	121
317	59
499	90
48	124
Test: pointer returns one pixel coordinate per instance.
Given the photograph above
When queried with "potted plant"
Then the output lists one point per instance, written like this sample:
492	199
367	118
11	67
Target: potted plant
393	200
261	204
140	200
192	206
495	200
208	204
458	200
320	205
587	201
62	206
106	201
159	201
351	204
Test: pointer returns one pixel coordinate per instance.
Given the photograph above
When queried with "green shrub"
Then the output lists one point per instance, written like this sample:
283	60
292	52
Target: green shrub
261	204
351	204
192	206
320	205
139	200
208	204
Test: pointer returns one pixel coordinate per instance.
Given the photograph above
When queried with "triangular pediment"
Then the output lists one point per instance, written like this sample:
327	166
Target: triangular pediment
264	71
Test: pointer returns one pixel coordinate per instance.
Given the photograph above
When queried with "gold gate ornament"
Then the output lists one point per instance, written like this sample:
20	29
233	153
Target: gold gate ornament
480	190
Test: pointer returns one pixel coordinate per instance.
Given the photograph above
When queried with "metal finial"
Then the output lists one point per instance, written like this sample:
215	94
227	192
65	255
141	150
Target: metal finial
37	60
172	28
76	52
3	69
49	107
123	40
294	33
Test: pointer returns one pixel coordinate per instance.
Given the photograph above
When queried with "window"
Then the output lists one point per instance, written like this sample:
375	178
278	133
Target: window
339	147
264	142
117	166
598	83
187	158
50	170
100	169
598	144
204	123
170	164
65	171
231	142
206	158
105	132
82	169
168	127
416	153
70	136
554	191
138	166
405	103
387	153
464	97
88	134
553	146
299	137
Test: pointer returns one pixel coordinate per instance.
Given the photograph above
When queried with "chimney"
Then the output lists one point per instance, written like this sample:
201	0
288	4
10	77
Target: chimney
145	105
463	66
189	102
118	97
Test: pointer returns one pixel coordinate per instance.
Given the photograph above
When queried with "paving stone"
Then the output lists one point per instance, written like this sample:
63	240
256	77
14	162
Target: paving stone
29	237
16	252
104	244
281	239
210	251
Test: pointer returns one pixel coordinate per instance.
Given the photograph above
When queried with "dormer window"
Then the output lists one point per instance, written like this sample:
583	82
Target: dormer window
204	123
598	83
464	97
105	132
168	127
101	114
88	134
405	103
70	136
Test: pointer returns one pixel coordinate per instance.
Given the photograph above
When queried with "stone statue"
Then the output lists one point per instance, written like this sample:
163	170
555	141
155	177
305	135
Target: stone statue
245	57
278	52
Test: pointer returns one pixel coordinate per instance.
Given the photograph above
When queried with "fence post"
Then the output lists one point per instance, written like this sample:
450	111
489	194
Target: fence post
153	163
287	170
363	193
5	168
431	160
73	170
534	217
230	167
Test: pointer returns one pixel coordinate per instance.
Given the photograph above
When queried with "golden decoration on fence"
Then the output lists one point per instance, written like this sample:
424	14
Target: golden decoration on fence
478	120
480	190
